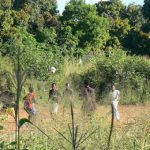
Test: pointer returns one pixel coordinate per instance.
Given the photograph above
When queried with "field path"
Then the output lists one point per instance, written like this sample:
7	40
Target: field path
129	115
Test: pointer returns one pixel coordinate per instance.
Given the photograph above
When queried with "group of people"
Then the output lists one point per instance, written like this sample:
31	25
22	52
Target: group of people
87	95
55	97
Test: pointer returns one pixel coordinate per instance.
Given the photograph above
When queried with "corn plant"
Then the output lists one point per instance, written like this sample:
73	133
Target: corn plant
76	139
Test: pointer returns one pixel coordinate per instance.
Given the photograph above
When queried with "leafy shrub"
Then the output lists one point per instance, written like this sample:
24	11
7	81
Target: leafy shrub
131	74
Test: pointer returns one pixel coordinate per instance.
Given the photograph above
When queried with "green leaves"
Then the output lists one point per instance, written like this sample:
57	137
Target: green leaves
131	74
111	9
146	8
76	140
134	14
1	127
6	4
87	29
23	121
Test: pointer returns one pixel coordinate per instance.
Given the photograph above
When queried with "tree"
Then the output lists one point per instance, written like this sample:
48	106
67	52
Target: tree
138	39
146	13
44	6
36	14
6	4
134	14
88	30
146	8
125	26
111	9
119	25
26	58
25	17
120	28
68	41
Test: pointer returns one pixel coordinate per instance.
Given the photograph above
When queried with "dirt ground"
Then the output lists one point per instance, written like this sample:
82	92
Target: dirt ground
129	115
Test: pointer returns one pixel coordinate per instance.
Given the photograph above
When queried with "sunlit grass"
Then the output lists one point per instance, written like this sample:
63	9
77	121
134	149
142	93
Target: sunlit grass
132	135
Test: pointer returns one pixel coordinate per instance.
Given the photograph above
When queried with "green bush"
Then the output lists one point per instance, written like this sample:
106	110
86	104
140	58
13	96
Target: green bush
131	75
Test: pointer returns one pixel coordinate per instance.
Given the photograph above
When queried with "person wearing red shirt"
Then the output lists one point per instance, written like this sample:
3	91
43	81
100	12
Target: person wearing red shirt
29	102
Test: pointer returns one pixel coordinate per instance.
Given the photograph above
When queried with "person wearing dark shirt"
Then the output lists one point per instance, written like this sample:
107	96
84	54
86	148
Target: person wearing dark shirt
89	101
54	99
67	97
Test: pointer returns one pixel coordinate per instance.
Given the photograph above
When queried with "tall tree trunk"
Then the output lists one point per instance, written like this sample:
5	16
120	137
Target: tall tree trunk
19	89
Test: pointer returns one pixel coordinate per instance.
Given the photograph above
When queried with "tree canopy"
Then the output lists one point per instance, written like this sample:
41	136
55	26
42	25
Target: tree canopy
41	31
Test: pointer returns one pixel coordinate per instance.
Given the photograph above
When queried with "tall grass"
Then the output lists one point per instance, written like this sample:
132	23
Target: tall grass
109	135
133	136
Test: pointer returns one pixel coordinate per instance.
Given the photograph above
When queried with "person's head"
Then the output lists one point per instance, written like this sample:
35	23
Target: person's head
31	89
53	86
86	83
67	85
113	88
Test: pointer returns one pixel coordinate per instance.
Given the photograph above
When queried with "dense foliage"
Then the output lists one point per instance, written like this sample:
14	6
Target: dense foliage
97	42
131	74
45	38
81	28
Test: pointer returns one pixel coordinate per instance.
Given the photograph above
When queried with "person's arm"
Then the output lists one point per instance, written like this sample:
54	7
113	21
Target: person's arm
118	94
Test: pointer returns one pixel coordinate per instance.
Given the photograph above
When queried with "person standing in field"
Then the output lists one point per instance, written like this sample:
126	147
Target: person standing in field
54	99
32	96
89	100
68	91
29	103
115	100
67	97
28	107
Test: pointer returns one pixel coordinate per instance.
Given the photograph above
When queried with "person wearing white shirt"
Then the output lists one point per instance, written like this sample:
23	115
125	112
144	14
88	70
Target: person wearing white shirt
115	99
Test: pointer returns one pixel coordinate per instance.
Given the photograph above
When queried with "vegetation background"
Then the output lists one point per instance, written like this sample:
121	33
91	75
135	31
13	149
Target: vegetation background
105	43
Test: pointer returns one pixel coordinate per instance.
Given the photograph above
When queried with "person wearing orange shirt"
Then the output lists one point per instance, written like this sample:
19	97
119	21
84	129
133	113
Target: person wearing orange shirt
29	102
